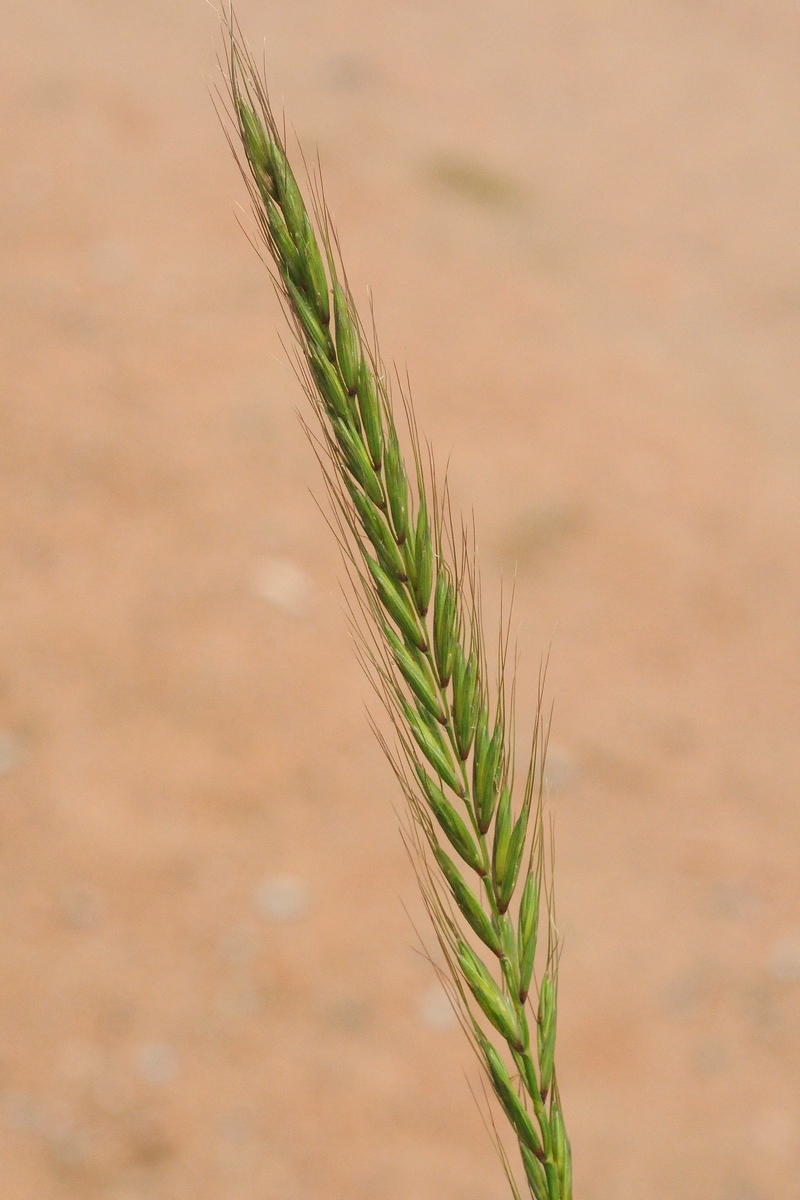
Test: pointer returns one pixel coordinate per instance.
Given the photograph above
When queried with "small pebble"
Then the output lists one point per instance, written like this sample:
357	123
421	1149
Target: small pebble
784	960
9	752
284	586
158	1063
282	898
435	1009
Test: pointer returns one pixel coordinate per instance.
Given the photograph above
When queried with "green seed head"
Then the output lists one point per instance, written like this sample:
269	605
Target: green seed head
468	902
510	965
398	606
396	486
535	1173
315	271
356	457
417	677
486	765
318	341
488	995
432	747
527	933
348	343
289	197
423	559
507	1095
503	828
513	861
444	631
562	1153
465	695
546	1033
451	823
283	248
326	377
257	146
370	413
379	534
408	548
389	526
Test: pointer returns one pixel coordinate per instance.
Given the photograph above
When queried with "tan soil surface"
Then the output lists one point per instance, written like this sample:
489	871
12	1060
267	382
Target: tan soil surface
580	222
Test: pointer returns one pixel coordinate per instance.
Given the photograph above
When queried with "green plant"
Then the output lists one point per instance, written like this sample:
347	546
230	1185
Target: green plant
478	848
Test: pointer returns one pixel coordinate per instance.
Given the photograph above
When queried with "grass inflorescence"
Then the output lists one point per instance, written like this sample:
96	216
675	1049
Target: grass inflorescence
476	837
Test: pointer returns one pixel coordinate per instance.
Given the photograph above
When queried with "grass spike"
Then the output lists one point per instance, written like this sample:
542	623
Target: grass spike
417	615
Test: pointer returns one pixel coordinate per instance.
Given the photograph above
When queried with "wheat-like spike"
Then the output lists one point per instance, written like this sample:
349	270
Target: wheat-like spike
479	853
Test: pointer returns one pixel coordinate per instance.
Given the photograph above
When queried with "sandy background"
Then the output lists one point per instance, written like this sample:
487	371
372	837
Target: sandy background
579	220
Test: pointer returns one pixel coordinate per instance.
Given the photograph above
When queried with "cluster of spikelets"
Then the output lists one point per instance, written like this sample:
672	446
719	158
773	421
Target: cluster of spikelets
478	854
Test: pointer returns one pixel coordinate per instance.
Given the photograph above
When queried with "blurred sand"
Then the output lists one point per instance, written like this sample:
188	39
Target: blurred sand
579	221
